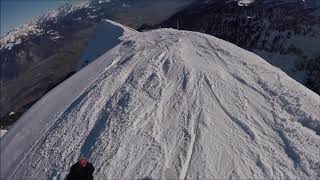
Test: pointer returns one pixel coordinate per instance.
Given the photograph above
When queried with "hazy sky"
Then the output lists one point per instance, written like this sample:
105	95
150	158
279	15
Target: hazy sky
16	12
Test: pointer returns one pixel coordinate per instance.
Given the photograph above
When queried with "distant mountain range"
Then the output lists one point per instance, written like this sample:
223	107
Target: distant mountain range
37	56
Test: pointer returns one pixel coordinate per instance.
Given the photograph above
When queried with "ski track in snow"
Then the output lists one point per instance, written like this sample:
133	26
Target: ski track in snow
186	101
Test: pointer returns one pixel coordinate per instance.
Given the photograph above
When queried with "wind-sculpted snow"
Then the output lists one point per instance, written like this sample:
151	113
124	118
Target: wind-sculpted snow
186	101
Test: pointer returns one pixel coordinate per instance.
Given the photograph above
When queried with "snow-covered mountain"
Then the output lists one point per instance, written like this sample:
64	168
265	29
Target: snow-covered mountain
38	55
286	33
169	99
91	10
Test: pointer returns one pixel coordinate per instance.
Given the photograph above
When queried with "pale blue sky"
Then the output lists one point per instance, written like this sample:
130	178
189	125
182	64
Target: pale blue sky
16	12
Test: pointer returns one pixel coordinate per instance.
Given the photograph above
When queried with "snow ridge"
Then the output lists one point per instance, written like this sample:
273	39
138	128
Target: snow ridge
169	99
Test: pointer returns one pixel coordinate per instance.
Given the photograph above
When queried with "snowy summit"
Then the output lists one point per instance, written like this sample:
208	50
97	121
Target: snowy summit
168	99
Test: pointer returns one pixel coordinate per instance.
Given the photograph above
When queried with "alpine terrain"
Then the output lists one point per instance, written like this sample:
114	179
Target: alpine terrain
37	56
168	99
286	33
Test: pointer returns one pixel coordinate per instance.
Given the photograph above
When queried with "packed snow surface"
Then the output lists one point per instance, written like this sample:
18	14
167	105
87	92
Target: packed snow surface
167	99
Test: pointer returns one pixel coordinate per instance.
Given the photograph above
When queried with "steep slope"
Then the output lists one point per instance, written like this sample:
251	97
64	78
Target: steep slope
187	101
283	32
107	35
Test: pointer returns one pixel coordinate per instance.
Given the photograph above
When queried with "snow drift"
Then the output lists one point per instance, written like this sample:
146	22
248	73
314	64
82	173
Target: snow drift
186	101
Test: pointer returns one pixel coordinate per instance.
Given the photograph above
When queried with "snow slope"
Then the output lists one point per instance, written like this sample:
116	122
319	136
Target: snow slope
106	37
169	99
2	132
